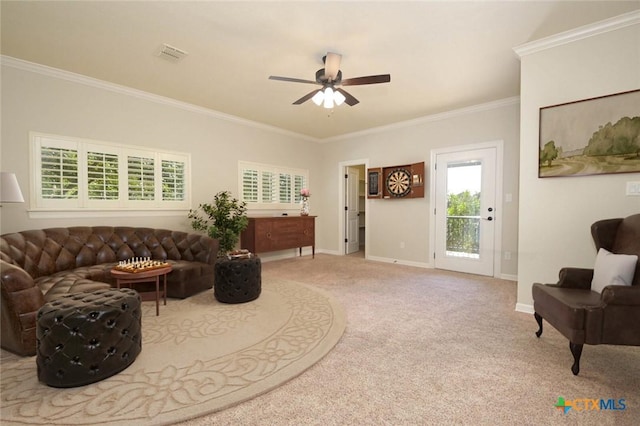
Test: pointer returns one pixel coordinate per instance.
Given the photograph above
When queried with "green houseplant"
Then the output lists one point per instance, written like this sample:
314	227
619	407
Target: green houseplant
223	220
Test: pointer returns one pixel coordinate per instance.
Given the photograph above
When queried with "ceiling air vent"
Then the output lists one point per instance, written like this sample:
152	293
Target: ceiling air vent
171	53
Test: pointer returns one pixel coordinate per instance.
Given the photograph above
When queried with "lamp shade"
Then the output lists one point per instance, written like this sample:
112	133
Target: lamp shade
9	189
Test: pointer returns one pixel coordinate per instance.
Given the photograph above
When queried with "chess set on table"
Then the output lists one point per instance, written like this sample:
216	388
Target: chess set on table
140	264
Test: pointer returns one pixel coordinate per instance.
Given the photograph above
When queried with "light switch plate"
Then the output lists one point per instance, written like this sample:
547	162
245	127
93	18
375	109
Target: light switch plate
633	188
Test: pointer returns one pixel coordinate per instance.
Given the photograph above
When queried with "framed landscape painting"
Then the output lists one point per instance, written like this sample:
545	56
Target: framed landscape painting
592	136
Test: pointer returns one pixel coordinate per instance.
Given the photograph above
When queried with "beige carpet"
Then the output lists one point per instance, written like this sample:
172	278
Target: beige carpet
430	347
198	356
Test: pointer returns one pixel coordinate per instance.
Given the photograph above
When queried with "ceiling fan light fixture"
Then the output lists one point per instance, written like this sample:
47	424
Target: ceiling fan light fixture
329	77
318	98
328	98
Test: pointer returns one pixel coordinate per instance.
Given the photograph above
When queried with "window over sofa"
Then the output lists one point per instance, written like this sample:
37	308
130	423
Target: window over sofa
73	174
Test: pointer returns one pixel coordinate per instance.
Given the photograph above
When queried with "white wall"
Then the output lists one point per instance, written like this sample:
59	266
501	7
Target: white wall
391	222
33	101
551	229
556	213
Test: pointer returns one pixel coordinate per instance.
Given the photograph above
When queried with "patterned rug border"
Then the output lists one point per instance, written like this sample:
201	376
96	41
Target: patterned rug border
312	324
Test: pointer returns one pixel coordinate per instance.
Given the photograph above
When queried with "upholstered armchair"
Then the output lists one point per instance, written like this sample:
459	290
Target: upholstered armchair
600	305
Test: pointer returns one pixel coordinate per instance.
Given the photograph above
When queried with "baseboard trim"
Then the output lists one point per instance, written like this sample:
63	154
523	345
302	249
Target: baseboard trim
306	251
508	277
523	307
399	262
291	253
325	251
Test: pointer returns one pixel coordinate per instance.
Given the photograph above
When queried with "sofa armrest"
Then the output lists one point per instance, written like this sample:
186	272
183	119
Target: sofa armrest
21	299
621	295
575	278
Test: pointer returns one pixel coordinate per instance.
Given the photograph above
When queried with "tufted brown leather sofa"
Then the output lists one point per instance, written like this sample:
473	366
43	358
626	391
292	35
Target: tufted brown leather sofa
39	266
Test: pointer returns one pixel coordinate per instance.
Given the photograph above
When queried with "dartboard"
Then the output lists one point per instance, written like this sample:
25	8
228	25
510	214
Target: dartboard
399	182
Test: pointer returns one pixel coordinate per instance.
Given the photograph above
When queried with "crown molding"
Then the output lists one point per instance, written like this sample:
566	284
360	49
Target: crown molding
112	87
428	119
586	31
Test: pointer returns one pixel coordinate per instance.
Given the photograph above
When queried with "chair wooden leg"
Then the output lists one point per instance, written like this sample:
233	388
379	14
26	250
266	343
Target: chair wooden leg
539	321
576	350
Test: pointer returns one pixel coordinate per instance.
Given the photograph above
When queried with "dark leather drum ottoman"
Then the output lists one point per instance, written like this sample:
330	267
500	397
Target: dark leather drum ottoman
86	337
238	280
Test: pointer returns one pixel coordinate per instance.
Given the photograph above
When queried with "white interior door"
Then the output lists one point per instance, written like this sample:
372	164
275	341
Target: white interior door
352	211
465	211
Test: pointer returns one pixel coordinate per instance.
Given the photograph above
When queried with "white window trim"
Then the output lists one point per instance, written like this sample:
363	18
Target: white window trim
243	165
83	206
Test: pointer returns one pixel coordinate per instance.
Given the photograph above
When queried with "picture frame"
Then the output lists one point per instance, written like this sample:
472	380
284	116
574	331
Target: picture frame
592	136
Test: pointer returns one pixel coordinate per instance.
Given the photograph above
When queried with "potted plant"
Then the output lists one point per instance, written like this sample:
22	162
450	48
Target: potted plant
223	220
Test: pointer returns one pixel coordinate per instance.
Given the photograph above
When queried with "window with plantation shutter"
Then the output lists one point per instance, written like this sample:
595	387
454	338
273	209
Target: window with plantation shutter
285	187
173	180
59	173
102	176
299	183
141	174
250	185
269	188
83	175
266	186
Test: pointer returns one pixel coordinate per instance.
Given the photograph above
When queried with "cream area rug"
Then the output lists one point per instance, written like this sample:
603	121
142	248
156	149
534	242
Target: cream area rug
199	356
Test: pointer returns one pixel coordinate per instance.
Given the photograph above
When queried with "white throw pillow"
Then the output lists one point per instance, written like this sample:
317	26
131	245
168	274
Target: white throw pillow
613	269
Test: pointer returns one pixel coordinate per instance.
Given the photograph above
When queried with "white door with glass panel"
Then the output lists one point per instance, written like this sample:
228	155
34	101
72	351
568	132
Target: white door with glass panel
465	204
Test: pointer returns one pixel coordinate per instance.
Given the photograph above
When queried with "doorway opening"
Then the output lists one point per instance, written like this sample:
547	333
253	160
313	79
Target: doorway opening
353	219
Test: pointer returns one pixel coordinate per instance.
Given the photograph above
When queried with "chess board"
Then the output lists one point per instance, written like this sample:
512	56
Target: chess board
137	266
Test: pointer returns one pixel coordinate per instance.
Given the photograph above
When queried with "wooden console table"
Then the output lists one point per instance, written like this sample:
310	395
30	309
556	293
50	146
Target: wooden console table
264	234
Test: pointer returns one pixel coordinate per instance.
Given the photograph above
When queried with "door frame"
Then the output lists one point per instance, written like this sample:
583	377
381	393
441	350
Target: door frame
497	245
352	212
342	170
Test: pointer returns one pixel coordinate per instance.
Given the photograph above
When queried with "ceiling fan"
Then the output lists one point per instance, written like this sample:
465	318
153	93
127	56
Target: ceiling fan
329	77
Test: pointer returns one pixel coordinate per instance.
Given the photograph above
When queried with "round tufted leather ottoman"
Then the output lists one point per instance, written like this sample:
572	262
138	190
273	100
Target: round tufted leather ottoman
86	337
238	280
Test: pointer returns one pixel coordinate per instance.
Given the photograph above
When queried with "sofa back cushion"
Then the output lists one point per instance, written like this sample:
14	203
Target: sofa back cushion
47	251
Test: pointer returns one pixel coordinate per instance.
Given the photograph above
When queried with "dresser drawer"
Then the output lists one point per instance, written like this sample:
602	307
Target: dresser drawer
264	234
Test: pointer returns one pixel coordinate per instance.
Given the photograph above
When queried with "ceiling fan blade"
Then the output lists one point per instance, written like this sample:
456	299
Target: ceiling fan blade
306	97
370	79
332	65
292	80
348	98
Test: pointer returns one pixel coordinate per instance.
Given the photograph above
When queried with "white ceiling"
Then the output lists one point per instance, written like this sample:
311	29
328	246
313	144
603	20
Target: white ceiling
442	55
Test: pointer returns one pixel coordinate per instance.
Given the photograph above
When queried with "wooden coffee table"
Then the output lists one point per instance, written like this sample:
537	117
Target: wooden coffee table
153	275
